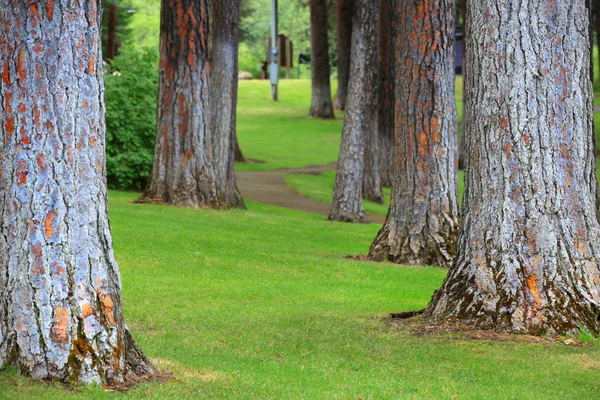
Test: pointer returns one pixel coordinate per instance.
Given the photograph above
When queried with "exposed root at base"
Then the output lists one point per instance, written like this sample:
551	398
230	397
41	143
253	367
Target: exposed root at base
417	326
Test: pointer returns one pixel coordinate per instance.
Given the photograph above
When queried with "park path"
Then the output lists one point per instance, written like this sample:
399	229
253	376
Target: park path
269	187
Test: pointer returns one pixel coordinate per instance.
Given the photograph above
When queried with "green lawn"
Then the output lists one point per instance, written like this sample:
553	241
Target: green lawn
262	303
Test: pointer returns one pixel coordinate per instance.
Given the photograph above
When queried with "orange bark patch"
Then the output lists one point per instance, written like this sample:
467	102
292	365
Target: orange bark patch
86	310
10	125
22	71
532	282
48	223
6	75
61	316
108	305
92	140
40	160
92	65
50	9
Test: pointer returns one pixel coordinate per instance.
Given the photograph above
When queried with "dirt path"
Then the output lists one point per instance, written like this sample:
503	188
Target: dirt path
269	187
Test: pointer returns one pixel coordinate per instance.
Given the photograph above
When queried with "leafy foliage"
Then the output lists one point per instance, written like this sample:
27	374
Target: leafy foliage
131	95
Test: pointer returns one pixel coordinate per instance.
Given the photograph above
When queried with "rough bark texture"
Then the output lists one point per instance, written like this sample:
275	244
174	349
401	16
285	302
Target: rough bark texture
61	312
182	173
223	97
462	4
372	189
387	93
321	105
422	223
344	10
361	114
529	249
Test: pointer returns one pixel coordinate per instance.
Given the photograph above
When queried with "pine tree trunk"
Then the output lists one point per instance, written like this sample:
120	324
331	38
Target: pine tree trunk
529	246
361	114
321	105
223	97
372	189
238	156
344	10
422	222
462	4
61	314
387	92
182	173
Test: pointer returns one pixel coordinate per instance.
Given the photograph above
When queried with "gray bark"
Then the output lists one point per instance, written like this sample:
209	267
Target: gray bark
61	314
361	114
183	172
344	10
387	94
422	223
223	98
529	246
321	105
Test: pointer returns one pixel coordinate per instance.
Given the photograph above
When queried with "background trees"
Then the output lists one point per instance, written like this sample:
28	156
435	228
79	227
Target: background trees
61	313
223	98
360	122
528	251
422	223
321	105
344	11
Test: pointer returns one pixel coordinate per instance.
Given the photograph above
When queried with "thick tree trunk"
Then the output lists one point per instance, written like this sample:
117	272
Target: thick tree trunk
361	114
344	10
387	92
223	97
238	156
321	105
461	139
182	173
529	246
422	222
61	314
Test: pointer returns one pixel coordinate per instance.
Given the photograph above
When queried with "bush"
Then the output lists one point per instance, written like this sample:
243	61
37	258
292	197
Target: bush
131	89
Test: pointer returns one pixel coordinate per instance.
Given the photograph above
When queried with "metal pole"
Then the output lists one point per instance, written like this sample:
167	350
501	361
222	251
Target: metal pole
274	68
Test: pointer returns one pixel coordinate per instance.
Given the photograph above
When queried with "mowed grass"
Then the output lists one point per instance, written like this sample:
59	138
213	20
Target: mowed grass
263	304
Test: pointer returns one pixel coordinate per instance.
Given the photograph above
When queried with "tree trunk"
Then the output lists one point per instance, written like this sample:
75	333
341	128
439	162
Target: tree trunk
422	222
461	139
529	246
344	10
238	156
321	106
386	92
361	114
223	97
61	314
182	173
372	189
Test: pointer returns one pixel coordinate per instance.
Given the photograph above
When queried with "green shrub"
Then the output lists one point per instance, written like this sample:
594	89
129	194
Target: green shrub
131	84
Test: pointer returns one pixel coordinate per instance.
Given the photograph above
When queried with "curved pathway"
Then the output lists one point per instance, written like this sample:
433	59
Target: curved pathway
269	187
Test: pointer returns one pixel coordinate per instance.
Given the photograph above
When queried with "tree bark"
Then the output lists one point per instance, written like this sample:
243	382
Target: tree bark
529	249
344	10
422	222
183	173
321	105
372	189
223	97
361	114
61	314
462	4
387	92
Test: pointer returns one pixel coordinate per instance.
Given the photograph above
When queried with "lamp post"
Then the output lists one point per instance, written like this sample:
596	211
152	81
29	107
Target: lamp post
274	67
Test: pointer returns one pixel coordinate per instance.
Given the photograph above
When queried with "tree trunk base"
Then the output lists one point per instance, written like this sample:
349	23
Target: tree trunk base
323	112
184	201
375	196
412	250
350	218
338	104
137	366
